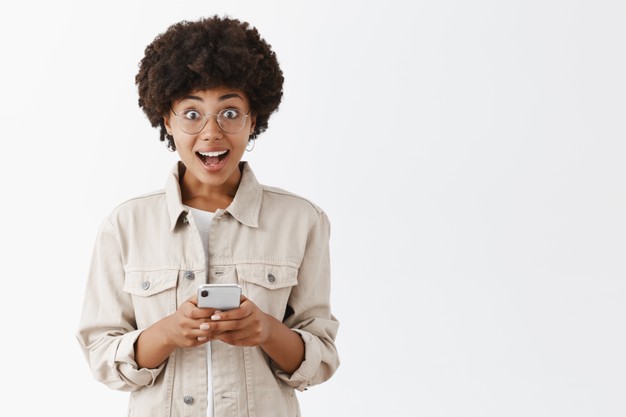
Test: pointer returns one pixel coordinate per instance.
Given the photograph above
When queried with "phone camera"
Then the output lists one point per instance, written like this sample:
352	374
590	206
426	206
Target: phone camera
204	293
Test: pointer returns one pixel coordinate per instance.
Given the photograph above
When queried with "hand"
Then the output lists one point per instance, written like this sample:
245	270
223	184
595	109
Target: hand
247	325
186	326
180	329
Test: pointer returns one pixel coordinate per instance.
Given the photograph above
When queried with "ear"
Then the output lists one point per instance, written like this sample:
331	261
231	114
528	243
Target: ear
168	126
252	122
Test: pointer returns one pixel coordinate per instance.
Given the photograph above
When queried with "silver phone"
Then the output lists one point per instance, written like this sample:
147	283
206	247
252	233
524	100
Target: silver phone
219	296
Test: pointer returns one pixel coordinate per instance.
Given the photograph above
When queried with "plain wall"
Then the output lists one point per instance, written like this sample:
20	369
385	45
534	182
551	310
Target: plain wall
470	156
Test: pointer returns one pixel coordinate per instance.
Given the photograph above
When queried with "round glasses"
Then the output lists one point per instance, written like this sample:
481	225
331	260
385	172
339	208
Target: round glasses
229	120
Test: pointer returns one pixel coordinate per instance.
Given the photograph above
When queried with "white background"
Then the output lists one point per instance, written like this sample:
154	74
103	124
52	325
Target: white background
470	156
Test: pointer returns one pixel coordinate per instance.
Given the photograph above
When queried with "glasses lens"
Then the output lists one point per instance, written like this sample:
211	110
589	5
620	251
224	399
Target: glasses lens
191	122
231	120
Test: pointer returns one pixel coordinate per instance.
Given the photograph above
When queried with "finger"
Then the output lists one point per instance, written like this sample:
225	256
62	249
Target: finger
200	313
241	337
191	310
187	308
227	316
222	326
233	314
192	338
240	313
191	302
203	332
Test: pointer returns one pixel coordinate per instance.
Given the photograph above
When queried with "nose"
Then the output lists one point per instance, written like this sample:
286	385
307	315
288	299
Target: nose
211	129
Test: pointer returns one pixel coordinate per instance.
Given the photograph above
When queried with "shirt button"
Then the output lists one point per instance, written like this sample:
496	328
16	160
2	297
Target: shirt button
189	275
145	285
185	221
271	277
188	399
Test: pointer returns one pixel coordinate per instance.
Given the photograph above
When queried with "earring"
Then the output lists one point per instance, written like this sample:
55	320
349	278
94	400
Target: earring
250	141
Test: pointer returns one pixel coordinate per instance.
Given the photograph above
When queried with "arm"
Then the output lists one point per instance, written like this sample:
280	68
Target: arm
284	346
107	329
152	347
181	329
312	317
302	347
249	326
119	354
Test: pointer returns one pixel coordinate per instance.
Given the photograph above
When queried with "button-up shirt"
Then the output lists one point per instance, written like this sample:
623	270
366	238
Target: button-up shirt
148	259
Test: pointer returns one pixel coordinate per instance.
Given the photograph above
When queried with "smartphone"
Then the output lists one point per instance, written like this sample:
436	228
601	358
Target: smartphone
219	296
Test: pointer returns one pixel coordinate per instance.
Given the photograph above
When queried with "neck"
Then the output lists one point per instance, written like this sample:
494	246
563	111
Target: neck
208	197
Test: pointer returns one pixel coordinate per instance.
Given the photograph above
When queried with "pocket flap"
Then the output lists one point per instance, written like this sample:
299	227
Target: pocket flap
268	276
147	283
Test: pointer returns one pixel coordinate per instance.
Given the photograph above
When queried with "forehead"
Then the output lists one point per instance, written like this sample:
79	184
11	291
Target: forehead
215	96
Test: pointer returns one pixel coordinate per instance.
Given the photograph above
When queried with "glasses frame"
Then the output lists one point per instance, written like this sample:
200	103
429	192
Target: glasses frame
205	116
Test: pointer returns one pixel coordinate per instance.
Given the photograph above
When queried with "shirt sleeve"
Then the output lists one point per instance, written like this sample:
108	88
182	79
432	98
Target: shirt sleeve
312	317
107	329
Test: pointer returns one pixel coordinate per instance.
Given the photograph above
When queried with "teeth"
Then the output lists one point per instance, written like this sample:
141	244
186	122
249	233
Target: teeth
212	154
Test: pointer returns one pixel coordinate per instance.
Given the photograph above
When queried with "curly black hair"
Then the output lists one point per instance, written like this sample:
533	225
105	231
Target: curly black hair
208	53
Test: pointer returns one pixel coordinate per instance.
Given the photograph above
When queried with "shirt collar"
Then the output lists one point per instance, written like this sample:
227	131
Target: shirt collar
245	207
173	195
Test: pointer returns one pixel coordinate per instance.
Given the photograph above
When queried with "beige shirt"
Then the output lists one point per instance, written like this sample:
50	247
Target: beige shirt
148	259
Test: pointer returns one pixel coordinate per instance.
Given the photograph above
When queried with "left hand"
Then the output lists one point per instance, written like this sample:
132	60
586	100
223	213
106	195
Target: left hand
247	325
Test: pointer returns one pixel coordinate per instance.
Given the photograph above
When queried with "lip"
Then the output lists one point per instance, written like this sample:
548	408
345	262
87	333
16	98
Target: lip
213	167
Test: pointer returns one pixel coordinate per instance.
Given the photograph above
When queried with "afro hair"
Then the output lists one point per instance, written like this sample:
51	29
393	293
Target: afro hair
208	53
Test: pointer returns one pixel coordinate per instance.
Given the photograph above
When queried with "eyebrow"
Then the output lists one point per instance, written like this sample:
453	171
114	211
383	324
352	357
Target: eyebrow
221	98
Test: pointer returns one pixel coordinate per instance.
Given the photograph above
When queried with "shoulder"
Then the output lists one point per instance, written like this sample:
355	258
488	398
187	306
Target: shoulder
272	198
138	207
290	200
139	201
286	208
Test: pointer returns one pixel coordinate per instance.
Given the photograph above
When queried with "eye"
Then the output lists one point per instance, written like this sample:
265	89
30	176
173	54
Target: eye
191	115
230	113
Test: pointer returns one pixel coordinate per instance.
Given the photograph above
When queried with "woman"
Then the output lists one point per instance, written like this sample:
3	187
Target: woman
210	86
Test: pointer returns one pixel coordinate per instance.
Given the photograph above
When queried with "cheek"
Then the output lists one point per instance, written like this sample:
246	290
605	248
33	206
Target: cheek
244	140
183	144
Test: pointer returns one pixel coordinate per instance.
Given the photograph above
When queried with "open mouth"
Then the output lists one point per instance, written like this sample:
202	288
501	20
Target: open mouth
212	158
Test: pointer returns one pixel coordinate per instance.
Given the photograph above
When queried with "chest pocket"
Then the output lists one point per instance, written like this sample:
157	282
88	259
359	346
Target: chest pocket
153	294
268	286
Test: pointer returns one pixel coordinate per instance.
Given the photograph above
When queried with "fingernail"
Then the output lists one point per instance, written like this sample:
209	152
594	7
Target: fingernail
205	326
201	338
215	317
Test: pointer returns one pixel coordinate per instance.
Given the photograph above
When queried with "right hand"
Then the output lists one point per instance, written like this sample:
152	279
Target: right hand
183	327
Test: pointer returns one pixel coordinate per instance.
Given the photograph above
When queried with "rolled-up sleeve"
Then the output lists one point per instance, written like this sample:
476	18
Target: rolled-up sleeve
107	329
312	317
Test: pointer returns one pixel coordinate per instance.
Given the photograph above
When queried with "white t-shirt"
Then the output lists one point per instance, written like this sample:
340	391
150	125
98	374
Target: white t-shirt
203	219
